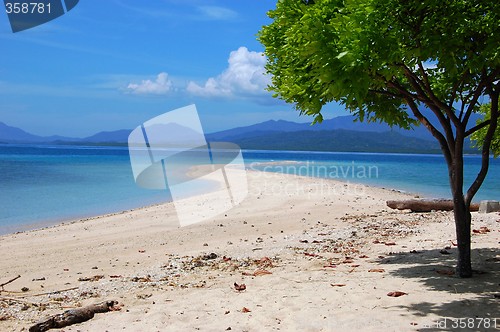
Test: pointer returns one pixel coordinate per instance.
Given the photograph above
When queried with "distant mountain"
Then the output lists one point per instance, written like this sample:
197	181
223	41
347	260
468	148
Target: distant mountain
337	134
346	122
118	136
338	140
11	134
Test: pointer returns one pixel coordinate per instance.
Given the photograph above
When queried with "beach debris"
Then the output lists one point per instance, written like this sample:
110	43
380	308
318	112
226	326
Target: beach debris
4	317
390	243
74	316
141	279
264	262
38	279
363	256
420	205
493	259
93	278
481	230
115	276
446	272
396	294
259	272
245	310
337	285
144	296
25	289
209	256
376	270
240	287
56	291
9	281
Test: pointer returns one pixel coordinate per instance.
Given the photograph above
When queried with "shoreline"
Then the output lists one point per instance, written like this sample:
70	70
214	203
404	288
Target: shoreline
311	259
41	225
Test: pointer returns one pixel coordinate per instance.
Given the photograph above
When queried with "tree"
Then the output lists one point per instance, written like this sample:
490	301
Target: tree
480	135
388	60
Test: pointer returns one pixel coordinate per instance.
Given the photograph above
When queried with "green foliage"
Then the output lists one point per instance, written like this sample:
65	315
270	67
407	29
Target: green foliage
479	136
355	52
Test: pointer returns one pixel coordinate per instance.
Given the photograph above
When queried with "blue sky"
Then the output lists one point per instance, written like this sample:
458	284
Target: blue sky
113	64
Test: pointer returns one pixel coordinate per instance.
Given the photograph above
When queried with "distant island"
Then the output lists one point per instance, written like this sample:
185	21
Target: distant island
340	134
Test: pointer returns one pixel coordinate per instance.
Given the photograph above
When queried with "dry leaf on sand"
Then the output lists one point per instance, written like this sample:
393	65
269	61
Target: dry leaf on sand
261	273
446	272
396	294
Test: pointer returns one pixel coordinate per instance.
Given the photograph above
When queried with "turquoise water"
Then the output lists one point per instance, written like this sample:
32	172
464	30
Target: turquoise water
422	174
49	184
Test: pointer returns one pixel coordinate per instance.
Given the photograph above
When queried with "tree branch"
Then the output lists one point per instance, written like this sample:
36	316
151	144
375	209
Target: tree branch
477	93
485	155
385	92
455	90
417	83
486	82
445	122
476	128
436	133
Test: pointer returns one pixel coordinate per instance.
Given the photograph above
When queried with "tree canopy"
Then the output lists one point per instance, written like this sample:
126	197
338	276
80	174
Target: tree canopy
371	54
388	60
479	136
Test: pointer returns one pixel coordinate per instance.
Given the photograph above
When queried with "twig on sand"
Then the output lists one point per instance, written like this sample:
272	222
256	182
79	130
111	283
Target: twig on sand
3	298
8	282
52	292
74	316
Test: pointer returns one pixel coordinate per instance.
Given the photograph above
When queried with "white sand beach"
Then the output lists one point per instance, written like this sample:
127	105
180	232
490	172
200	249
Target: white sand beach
314	255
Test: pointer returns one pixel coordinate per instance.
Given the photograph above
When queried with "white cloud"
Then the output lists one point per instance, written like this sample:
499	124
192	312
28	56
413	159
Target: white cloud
245	77
162	85
217	13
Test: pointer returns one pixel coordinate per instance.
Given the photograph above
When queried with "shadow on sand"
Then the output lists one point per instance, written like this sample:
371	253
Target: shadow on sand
431	268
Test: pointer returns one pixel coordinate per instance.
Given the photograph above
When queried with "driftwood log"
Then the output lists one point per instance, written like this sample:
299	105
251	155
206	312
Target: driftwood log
417	205
74	316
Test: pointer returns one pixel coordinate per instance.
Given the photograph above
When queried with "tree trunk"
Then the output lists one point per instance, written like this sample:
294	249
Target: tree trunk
461	209
463	231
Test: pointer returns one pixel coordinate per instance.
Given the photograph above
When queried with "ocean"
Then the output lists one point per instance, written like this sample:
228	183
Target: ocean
43	185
